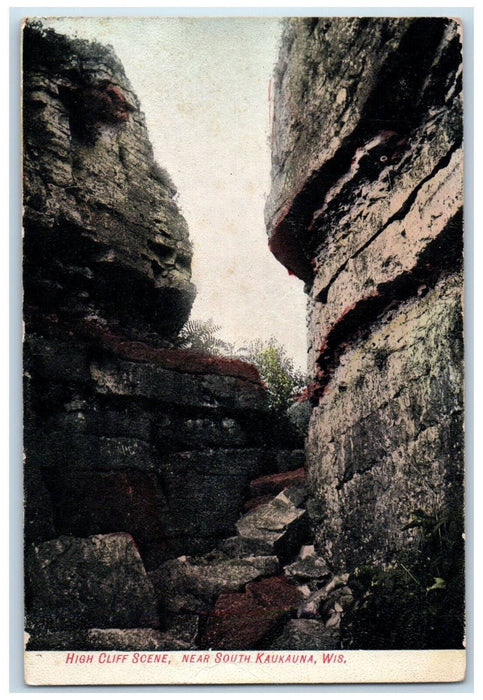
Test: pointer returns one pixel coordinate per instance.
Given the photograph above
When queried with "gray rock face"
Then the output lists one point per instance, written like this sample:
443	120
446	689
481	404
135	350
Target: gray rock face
115	442
193	583
391	446
279	528
149	381
80	583
103	235
212	483
365	207
123	432
179	636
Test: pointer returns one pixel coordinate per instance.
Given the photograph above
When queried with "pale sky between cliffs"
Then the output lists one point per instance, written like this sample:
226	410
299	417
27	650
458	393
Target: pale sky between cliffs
203	84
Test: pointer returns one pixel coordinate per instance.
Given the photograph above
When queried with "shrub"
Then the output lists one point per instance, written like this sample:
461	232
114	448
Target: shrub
418	601
277	370
201	337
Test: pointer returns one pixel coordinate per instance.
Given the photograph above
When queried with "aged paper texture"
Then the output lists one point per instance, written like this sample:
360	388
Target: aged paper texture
243	350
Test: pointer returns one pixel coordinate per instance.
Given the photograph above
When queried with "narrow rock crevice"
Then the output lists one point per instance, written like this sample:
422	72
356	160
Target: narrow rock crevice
166	506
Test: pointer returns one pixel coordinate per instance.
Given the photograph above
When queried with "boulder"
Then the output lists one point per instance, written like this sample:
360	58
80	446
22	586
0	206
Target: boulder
180	635
90	503
100	581
249	620
306	634
237	547
263	489
308	567
276	528
257	501
194	582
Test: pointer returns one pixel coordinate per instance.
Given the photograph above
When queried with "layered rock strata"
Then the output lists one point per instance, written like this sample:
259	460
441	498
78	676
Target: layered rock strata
233	597
136	452
366	208
237	596
163	448
104	237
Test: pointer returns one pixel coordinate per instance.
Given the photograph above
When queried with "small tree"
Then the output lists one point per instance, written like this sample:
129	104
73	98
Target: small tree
277	370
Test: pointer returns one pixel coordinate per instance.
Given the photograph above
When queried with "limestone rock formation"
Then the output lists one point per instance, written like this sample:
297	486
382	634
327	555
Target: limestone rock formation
192	584
104	237
77	583
231	596
137	452
115	442
277	527
146	639
366	208
265	488
123	432
248	620
175	638
142	459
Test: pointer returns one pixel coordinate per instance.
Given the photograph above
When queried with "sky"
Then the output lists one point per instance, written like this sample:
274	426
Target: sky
203	84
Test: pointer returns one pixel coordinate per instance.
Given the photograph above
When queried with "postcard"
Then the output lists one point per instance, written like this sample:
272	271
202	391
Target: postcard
243	350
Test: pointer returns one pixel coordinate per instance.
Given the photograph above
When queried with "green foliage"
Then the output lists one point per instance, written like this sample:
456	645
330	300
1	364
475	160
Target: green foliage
277	370
275	367
201	336
417	602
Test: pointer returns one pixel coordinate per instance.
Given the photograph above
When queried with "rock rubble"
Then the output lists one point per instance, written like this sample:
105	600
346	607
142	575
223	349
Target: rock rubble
233	597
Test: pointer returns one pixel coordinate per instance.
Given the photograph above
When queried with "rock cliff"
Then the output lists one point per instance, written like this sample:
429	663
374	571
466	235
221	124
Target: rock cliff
366	208
123	432
157	475
104	237
142	461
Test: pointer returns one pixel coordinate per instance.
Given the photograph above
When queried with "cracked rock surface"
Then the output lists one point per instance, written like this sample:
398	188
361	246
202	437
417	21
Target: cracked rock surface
104	236
366	208
100	580
164	506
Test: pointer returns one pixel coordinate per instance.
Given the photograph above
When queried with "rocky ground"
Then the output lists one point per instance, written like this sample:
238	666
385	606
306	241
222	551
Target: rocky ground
265	587
164	508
